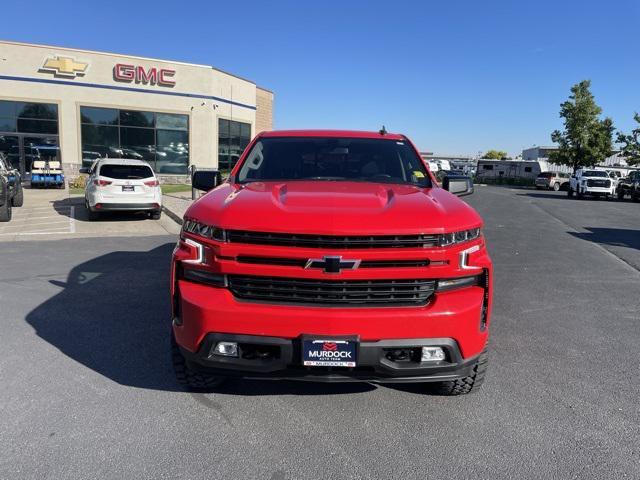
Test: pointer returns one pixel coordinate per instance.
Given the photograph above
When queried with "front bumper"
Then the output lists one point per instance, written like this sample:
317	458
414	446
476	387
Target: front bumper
461	316
283	361
598	190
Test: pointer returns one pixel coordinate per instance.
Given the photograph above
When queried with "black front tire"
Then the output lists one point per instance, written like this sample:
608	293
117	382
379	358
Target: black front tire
5	211
18	197
556	187
468	384
92	215
190	379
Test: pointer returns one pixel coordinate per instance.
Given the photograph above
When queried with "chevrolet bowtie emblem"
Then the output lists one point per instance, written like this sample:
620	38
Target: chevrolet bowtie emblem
332	264
64	66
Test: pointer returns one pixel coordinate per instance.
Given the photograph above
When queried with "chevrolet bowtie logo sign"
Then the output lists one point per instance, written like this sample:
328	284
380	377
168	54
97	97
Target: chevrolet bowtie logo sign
332	264
64	67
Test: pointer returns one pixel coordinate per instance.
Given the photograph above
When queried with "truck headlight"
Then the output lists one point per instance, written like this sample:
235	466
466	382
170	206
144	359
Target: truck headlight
204	230
461	236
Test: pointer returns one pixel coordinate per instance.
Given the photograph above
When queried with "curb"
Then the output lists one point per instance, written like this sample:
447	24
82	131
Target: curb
172	215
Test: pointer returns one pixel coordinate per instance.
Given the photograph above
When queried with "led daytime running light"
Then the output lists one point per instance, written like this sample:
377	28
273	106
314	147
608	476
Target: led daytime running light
203	230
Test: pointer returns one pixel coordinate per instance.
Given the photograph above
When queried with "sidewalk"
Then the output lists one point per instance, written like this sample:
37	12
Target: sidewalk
175	204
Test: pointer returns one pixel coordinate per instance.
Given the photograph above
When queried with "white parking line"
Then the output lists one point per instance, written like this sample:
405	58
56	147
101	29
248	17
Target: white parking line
72	220
55	225
29	225
20	234
48	207
37	218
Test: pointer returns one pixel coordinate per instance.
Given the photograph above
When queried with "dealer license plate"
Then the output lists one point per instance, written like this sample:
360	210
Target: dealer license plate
329	353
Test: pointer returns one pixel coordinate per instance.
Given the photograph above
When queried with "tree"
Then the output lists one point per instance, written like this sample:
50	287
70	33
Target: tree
495	155
586	140
631	143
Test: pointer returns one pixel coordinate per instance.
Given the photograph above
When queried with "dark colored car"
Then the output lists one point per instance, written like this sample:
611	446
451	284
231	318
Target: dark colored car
11	194
629	186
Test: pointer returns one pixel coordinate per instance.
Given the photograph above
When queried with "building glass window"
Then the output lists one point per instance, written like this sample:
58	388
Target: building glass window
28	132
162	139
41	111
233	138
28	117
99	116
29	125
8	124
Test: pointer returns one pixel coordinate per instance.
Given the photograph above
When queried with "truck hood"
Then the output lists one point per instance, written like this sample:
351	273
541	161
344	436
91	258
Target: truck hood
333	208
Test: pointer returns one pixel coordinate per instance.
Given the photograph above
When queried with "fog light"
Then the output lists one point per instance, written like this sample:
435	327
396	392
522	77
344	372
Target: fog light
432	354
226	349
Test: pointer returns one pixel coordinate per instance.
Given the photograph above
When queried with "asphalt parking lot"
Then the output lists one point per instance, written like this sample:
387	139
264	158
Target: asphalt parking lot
51	214
88	390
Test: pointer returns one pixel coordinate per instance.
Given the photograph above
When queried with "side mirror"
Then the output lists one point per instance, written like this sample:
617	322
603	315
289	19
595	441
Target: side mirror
459	185
84	170
206	180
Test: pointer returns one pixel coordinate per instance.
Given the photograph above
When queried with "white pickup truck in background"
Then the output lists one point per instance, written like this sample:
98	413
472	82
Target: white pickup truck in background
591	182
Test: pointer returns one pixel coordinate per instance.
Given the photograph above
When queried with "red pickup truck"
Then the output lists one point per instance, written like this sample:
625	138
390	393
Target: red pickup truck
331	256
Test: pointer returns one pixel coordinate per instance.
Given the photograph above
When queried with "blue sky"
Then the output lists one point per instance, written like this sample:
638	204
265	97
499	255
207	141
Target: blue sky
456	76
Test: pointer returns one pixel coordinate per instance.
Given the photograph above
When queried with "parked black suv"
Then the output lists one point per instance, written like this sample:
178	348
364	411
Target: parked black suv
629	186
11	194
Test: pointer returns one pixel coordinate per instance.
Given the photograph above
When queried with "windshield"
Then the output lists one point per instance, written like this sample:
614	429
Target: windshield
335	159
595	173
126	172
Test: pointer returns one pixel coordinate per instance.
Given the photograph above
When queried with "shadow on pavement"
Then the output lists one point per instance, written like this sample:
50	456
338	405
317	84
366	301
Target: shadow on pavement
543	194
113	316
81	214
615	237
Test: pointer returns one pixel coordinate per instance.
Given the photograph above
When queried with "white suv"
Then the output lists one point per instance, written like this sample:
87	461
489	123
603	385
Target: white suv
122	185
591	182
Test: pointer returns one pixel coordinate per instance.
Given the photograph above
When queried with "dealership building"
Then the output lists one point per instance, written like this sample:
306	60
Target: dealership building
77	105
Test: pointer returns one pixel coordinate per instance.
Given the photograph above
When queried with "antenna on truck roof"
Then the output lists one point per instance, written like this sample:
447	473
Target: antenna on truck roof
383	130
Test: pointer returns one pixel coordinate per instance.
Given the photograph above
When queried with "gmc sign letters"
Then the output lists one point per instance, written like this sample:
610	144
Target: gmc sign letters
152	76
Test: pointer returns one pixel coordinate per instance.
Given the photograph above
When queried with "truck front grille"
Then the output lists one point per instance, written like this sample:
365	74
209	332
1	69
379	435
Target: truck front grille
328	292
599	183
301	262
327	241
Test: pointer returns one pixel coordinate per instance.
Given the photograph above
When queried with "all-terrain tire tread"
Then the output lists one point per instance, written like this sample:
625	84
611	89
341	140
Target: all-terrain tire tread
195	381
5	211
18	198
468	384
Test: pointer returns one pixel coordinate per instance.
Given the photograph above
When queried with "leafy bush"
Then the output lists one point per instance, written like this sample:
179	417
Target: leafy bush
78	182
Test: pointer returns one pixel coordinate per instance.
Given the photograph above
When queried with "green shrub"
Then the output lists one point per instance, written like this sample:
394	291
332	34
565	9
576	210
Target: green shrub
78	182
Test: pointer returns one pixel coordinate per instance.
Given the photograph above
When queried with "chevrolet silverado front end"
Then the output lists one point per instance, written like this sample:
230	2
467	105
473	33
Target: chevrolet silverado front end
332	256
